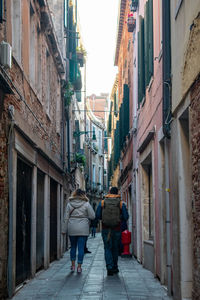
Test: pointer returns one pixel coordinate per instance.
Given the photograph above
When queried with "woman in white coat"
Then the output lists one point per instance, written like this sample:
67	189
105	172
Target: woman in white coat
79	212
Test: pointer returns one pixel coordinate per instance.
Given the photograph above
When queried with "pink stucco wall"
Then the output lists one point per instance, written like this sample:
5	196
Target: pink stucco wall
150	116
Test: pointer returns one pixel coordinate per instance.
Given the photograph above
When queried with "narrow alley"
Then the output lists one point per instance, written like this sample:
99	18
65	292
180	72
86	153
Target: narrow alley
58	283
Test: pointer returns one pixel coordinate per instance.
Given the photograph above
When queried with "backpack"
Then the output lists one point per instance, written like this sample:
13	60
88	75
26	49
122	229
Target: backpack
111	211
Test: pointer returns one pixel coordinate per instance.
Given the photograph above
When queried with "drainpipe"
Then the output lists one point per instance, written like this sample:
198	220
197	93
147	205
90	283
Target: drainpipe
166	123
68	140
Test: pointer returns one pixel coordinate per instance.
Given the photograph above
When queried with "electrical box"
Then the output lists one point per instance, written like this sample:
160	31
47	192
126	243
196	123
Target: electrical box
5	54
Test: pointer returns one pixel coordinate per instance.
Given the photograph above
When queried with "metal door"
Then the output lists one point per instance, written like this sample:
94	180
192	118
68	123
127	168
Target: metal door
53	220
40	222
23	221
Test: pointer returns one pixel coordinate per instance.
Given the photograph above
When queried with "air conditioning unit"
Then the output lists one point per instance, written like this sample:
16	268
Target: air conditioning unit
5	54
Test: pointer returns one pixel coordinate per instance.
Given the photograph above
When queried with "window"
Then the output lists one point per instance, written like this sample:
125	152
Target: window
1	11
100	141
16	29
141	81
39	65
94	175
148	41
145	50
48	83
32	47
147	194
65	12
100	178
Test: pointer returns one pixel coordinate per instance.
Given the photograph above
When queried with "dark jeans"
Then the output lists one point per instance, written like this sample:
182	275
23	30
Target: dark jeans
93	231
111	240
80	242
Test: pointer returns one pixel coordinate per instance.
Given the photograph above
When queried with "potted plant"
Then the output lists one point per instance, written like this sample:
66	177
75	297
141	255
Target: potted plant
67	93
131	22
80	158
80	54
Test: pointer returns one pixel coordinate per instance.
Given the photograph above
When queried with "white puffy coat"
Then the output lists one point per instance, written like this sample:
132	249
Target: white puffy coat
78	214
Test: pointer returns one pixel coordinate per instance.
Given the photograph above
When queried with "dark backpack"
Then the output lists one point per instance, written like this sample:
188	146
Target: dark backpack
111	211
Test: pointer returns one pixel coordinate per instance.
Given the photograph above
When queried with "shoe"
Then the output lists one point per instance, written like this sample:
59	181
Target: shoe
115	270
79	270
110	272
72	268
87	251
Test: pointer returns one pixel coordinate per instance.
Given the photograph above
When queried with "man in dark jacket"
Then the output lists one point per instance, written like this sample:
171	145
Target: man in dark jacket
111	232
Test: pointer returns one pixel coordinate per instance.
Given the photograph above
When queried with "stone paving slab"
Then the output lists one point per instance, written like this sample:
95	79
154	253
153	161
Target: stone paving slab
133	282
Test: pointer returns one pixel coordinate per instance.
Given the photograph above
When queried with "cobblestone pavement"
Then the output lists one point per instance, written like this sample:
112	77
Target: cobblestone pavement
133	282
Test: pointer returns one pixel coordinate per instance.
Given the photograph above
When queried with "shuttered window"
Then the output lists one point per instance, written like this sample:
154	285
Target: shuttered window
126	110
151	55
1	11
148	41
141	78
145	50
109	123
116	145
65	12
77	145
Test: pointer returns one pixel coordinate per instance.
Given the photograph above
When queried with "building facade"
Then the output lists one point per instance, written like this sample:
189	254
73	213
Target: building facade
35	181
184	147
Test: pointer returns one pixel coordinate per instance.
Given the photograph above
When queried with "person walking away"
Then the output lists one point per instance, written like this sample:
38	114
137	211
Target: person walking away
112	212
79	212
93	225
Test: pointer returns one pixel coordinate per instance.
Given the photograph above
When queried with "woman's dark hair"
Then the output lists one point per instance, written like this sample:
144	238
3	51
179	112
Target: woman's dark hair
79	192
114	190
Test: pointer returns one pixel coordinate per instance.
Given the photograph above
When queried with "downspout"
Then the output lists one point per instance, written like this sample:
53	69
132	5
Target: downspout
68	140
166	124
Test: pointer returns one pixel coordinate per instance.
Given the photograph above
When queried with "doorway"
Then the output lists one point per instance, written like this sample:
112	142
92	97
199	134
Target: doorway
40	222
23	221
53	220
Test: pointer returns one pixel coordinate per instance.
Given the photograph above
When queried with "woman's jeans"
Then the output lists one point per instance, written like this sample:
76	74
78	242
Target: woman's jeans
111	240
80	242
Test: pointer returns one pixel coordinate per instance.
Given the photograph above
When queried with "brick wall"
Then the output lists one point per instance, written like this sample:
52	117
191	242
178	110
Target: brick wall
3	206
195	141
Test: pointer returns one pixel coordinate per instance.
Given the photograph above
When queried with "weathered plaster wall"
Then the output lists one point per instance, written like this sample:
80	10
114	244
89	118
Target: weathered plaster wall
195	144
185	32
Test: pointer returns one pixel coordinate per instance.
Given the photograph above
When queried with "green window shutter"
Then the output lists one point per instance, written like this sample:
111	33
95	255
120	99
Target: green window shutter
77	145
126	110
1	11
105	141
121	120
146	43
116	145
70	29
151	56
109	124
65	12
78	96
141	68
118	141
115	148
115	103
